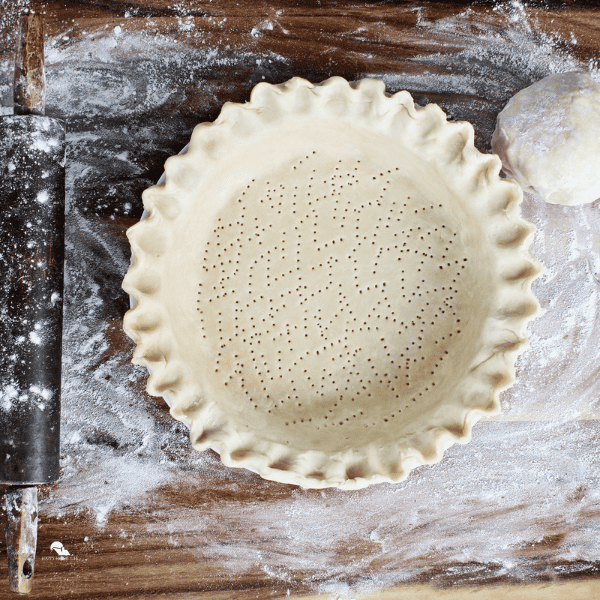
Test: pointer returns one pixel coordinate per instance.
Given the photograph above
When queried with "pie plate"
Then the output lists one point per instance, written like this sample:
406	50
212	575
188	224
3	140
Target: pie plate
332	285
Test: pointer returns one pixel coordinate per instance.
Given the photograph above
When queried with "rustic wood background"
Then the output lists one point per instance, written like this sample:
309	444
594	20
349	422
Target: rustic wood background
519	506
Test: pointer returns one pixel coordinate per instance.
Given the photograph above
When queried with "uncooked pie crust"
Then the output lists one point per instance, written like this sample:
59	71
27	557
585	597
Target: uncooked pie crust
332	285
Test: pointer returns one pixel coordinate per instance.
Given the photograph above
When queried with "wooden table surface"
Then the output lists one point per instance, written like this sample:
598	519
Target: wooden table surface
515	513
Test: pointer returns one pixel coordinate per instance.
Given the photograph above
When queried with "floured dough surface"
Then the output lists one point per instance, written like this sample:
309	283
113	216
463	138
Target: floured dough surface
325	285
332	292
548	138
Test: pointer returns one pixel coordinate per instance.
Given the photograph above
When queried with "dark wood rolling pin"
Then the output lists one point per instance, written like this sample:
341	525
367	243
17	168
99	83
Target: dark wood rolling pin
32	197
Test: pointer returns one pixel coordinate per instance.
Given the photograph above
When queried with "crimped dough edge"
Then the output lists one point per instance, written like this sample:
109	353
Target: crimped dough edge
426	130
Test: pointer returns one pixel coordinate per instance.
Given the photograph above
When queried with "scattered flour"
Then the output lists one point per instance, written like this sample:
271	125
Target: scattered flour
512	485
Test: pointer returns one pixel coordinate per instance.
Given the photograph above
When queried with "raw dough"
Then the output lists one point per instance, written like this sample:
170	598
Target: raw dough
332	286
548	138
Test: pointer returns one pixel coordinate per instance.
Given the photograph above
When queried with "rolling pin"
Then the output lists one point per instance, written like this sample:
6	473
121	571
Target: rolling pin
32	199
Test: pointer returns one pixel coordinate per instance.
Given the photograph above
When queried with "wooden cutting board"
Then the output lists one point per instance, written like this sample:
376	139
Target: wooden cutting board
514	513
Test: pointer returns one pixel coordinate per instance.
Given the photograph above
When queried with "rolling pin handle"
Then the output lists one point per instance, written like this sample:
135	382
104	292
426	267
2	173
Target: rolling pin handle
30	78
21	536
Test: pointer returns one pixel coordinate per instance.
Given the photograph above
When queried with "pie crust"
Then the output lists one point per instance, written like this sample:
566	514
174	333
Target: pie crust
332	285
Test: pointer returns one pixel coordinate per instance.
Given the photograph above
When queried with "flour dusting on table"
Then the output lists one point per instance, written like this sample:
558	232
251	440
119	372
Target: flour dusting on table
518	482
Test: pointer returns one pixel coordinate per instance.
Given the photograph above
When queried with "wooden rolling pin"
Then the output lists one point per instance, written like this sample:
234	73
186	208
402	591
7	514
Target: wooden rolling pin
32	200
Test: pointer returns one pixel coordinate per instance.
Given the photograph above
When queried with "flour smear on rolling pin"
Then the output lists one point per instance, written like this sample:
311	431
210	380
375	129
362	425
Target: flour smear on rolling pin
41	143
117	87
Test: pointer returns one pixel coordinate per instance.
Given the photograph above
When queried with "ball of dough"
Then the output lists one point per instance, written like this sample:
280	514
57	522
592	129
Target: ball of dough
548	138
